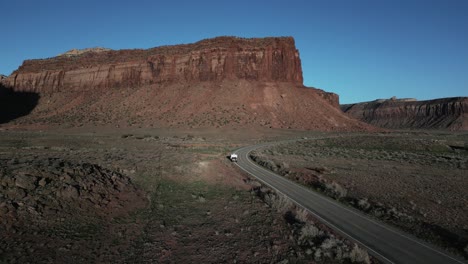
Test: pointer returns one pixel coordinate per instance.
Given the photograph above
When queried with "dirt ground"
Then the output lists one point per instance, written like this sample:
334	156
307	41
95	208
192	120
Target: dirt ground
107	195
100	195
414	180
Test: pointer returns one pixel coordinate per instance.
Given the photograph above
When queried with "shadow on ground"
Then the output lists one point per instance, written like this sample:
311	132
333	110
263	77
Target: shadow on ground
16	104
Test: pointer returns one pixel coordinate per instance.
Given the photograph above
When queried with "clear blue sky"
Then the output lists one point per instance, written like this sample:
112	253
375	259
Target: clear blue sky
359	49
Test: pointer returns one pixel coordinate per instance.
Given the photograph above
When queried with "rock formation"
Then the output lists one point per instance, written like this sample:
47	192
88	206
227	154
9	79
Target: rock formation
269	59
444	113
215	82
76	52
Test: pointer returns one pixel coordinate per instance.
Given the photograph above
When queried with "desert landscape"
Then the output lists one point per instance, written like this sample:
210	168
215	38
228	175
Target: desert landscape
121	156
161	196
413	180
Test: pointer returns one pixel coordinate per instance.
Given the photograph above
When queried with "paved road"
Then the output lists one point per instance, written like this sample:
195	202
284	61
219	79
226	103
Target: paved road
382	241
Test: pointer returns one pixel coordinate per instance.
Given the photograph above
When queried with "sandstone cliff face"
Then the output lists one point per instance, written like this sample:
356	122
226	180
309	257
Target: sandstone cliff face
445	113
268	59
225	81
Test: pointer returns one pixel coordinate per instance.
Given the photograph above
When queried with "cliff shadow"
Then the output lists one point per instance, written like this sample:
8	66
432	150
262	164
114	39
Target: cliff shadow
16	104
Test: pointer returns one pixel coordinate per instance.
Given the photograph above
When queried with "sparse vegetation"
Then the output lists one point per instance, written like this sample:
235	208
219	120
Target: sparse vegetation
202	201
376	174
280	203
358	255
315	240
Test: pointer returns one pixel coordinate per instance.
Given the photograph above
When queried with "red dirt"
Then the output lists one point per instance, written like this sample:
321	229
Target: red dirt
225	104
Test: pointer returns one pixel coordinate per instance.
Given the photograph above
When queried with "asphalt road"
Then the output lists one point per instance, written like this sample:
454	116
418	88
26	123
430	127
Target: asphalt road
382	241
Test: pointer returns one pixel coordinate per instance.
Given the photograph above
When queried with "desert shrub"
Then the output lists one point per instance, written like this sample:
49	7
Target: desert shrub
329	243
284	166
317	243
364	204
264	161
279	202
340	255
359	255
308	232
302	215
271	165
335	190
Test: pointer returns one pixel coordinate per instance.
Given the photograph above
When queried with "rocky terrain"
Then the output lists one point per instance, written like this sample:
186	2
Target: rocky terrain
225	81
148	196
444	113
46	186
413	181
51	209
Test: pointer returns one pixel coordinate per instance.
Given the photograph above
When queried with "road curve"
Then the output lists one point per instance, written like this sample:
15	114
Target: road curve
382	241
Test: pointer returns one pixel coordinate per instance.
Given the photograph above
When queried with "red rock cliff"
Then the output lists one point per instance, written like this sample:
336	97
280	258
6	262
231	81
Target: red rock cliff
444	113
225	81
259	59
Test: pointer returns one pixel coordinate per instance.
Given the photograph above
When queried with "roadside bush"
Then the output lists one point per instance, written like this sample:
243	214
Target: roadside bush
279	202
330	188
317	242
364	204
284	166
271	165
335	190
307	233
359	255
302	215
263	161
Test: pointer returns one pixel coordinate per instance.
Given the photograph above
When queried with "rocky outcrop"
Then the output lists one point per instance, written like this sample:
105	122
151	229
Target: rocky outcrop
267	59
77	52
225	81
36	189
332	98
445	113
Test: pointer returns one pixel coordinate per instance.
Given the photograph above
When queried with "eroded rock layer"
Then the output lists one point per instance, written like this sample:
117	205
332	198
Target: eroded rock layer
268	59
444	113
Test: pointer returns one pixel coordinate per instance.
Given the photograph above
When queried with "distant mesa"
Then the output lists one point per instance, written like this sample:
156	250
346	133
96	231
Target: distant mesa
220	82
408	113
